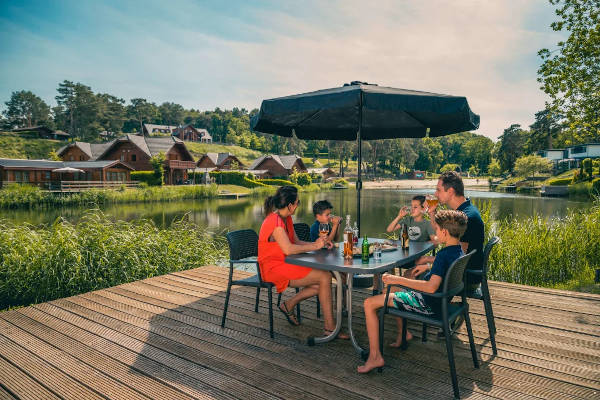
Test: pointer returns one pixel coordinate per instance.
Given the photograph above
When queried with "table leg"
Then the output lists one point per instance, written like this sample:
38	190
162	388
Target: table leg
338	311
357	347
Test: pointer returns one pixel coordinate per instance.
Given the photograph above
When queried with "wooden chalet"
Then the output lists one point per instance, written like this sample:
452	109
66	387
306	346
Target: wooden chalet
219	161
136	151
278	166
43	132
43	172
189	133
158	130
325	173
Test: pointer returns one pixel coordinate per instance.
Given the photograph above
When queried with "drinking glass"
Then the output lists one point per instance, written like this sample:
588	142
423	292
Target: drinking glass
377	252
431	201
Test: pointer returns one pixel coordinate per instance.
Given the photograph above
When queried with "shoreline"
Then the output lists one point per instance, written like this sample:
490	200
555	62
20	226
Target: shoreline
469	183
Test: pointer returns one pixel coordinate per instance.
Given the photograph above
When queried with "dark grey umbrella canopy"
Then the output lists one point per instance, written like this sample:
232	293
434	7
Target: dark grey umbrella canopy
360	111
386	113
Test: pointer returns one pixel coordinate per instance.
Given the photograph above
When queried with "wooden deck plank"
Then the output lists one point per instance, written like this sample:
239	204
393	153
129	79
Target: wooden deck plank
161	338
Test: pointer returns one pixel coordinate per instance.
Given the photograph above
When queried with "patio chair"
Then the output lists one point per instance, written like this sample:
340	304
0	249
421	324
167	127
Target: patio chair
303	232
453	285
482	292
243	249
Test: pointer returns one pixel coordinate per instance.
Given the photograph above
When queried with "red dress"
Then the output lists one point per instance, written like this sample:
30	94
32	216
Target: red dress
271	258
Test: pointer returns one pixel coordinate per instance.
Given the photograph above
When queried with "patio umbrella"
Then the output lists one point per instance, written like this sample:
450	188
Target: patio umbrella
362	111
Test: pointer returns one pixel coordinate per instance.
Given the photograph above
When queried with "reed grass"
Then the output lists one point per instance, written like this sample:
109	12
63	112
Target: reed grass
547	251
41	263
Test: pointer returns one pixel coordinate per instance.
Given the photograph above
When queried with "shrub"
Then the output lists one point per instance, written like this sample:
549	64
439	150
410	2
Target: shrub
586	165
596	186
341	181
147	177
559	181
234	178
449	167
303	179
276	182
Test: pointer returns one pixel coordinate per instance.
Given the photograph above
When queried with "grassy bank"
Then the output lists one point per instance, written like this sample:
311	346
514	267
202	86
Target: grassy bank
13	145
560	253
48	262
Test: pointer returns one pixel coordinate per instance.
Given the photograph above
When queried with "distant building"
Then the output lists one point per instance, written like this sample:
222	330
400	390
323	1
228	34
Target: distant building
581	151
189	133
40	172
219	161
158	130
136	151
278	166
571	157
325	173
43	132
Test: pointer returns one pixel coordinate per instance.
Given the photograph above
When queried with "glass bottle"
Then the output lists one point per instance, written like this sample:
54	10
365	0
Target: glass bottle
405	238
365	250
355	231
348	238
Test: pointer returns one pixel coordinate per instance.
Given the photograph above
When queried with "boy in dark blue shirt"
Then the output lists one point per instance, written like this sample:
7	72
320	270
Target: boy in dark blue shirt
449	225
322	212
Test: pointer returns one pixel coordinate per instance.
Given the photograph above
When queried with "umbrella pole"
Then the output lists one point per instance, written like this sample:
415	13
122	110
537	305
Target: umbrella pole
358	180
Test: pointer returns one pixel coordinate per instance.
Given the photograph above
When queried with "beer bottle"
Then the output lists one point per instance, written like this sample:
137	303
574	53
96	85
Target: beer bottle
348	240
405	237
365	250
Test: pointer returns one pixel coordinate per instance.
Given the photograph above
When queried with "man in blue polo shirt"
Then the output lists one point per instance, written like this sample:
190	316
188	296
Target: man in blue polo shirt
450	190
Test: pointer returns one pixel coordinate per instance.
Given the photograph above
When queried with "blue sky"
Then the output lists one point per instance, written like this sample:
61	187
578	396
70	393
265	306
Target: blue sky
207	54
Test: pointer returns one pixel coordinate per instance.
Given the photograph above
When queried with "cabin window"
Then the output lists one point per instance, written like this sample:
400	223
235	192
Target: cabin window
71	158
25	176
133	157
122	156
578	149
47	175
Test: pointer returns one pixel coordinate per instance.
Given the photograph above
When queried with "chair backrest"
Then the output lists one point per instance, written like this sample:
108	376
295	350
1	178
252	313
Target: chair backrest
454	280
302	231
486	253
242	244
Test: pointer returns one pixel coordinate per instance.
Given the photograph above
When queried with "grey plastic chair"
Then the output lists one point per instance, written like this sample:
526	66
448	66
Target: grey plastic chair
453	285
482	292
243	249
303	232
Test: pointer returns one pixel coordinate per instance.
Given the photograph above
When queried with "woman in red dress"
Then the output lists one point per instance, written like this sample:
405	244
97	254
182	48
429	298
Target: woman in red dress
278	239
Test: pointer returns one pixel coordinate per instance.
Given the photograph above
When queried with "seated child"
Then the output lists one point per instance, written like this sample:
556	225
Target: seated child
419	228
450	226
322	211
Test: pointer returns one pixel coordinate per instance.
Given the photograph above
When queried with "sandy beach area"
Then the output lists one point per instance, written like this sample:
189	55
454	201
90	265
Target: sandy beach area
420	184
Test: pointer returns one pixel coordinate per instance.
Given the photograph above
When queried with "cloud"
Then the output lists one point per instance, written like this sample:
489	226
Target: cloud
206	57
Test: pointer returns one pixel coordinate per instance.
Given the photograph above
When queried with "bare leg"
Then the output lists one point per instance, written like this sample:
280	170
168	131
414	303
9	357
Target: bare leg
372	304
322	280
398	341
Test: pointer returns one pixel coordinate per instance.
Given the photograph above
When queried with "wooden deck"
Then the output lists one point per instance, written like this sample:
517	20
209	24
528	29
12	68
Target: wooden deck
161	338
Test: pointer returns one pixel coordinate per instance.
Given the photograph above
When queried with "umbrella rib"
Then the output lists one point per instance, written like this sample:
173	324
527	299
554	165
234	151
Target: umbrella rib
308	117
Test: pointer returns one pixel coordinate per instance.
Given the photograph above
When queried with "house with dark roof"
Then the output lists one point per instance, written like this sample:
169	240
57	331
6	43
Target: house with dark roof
43	172
136	151
189	133
278	166
219	161
158	130
43	132
325	173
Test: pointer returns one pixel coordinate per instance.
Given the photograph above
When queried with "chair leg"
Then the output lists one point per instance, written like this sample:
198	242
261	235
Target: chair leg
489	315
270	294
226	304
404	344
257	299
471	340
450	352
298	309
381	327
278	299
318	308
424	333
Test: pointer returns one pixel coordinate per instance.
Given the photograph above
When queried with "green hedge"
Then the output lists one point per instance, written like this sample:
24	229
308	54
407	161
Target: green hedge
276	182
596	186
559	181
145	176
234	178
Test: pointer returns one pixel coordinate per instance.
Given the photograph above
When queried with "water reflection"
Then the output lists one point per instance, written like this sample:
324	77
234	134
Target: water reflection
378	208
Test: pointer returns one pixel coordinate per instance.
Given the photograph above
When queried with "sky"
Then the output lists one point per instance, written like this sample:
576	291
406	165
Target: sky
207	54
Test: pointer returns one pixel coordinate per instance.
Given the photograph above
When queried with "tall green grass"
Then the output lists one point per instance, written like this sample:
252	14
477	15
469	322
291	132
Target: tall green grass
546	251
26	196
41	263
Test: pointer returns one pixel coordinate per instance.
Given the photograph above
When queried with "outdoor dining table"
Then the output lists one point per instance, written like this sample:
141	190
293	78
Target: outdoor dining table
334	261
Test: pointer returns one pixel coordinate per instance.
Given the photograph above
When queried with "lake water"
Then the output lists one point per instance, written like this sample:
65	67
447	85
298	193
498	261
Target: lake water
378	208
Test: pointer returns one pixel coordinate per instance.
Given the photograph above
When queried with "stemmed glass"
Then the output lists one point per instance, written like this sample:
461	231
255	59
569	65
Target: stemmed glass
323	230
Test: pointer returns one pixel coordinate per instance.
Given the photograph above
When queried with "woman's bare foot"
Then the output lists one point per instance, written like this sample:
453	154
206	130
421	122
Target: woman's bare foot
371	364
398	341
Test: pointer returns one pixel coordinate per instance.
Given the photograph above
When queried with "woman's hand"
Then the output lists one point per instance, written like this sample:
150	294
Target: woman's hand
320	242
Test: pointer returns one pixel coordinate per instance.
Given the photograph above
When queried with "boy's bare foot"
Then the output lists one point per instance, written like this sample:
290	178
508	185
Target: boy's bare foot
398	341
370	365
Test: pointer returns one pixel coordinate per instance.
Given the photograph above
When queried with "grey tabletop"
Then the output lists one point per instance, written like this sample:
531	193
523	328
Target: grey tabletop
333	260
